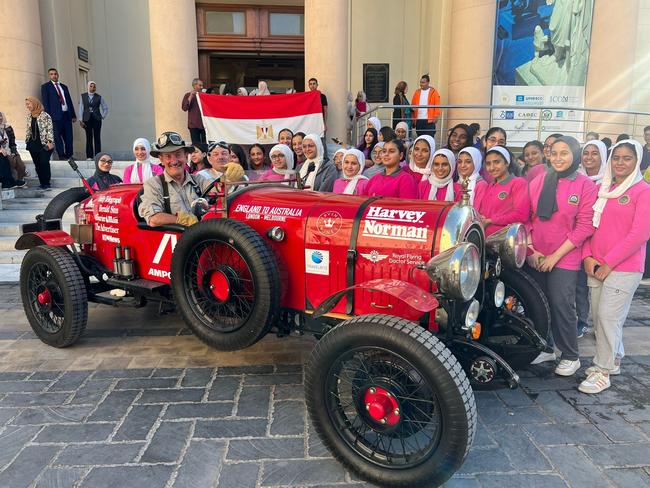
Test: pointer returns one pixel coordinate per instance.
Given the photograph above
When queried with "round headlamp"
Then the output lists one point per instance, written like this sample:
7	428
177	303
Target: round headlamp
499	294
471	316
511	244
456	271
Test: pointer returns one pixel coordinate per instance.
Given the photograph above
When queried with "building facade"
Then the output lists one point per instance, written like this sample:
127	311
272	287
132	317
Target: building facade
143	54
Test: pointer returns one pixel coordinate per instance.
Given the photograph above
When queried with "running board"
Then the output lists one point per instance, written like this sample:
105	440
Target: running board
139	286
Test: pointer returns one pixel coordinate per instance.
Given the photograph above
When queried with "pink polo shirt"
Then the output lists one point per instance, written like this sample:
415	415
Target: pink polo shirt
620	239
505	203
341	183
535	171
400	185
270	175
576	196
479	192
424	187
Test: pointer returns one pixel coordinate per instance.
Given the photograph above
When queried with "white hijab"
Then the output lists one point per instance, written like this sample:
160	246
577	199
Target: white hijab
376	123
477	159
354	179
432	148
242	92
341	150
317	161
605	192
262	89
447	181
146	164
288	156
602	151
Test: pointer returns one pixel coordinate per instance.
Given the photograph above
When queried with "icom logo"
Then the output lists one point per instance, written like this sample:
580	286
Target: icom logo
317	261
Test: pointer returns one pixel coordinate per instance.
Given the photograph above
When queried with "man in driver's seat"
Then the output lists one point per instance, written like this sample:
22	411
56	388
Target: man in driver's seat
167	198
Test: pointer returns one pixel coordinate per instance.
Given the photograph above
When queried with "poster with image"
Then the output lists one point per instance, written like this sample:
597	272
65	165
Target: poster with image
541	54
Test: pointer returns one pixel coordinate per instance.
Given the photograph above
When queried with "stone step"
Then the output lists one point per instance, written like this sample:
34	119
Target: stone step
36	204
28	215
7	243
56	182
9	273
12	257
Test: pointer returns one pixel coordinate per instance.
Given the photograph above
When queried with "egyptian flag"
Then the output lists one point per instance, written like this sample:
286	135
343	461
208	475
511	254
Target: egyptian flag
250	120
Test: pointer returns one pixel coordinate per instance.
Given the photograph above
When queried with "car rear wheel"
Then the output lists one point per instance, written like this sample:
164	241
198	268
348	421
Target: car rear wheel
390	401
54	295
226	283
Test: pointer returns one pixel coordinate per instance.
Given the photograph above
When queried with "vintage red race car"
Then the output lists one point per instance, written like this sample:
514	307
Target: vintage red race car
412	303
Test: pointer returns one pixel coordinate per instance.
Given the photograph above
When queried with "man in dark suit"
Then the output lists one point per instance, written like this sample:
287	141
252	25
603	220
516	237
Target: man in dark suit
57	103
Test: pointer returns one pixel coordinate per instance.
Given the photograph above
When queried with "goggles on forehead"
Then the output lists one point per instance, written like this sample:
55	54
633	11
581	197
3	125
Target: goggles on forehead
173	138
221	144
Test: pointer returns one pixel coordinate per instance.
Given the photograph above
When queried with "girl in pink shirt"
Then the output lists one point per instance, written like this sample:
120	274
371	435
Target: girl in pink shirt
143	168
534	158
281	164
440	185
562	213
614	256
352	182
469	165
420	157
505	200
395	182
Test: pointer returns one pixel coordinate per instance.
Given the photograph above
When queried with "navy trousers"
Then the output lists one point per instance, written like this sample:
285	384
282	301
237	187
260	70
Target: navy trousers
63	136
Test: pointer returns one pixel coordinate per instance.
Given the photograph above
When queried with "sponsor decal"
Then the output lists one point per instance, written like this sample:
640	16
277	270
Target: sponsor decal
529	99
547	114
317	262
574	199
159	273
329	223
502	195
624	199
519	98
559	114
374	256
406	258
266	212
388	223
563	99
167	240
108	213
507	114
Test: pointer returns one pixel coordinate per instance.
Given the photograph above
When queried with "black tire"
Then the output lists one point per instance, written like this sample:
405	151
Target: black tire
60	203
244	303
51	273
427	384
530	302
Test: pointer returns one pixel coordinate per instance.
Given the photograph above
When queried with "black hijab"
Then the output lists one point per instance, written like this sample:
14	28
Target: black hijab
547	203
103	179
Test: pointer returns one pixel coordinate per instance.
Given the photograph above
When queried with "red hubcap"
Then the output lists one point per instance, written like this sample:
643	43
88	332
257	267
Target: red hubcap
220	286
44	298
382	406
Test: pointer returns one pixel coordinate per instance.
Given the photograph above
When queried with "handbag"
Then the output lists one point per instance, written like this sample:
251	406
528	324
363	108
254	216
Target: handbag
17	166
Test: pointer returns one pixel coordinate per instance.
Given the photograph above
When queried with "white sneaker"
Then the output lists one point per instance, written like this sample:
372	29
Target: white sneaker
567	367
613	372
544	357
595	383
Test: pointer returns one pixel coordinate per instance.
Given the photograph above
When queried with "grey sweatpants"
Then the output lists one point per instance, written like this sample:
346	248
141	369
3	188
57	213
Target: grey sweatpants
559	286
582	297
610	304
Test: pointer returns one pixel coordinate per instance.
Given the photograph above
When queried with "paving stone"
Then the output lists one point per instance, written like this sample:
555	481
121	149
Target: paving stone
52	415
167	373
254	401
609	396
241	475
288	368
128	477
515	398
201	465
122	373
612	424
75	433
561	434
486	461
495	413
457	482
255	449
634	413
217	429
138	423
70	381
289	392
33	399
12	440
521	452
27	466
620	455
60	477
197	377
275	379
17	376
575	467
315	448
520	480
483	437
45	376
98	454
167	442
8	413
199	410
288	418
557	408
628	477
250	369
172	395
114	406
302	472
145	383
91	392
224	388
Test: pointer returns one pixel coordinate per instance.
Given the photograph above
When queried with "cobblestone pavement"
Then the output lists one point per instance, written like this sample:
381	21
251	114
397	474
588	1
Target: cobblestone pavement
136	406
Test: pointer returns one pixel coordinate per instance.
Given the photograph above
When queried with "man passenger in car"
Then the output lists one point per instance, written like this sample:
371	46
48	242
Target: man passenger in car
167	198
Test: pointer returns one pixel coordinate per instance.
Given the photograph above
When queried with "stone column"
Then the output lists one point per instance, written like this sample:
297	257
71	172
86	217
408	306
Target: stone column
174	60
21	59
327	58
470	60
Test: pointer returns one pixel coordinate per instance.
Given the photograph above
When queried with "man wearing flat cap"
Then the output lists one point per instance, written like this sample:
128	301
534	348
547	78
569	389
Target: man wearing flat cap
168	197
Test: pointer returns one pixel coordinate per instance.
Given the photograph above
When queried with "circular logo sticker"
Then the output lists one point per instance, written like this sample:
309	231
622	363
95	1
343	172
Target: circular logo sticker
624	200
547	115
574	199
329	223
502	195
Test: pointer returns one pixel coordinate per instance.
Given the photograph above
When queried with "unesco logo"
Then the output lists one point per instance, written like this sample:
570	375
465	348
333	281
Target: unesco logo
519	98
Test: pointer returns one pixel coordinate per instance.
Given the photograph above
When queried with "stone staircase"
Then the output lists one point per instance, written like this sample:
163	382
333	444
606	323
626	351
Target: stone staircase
29	202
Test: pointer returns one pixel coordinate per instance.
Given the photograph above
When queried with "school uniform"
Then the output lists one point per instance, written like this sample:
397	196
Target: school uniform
504	202
399	185
424	191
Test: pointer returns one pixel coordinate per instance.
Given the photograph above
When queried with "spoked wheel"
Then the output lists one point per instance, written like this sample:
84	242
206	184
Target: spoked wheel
390	401
226	283
524	299
54	295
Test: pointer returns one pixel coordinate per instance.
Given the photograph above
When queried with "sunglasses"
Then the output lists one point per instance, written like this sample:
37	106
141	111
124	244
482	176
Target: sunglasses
170	137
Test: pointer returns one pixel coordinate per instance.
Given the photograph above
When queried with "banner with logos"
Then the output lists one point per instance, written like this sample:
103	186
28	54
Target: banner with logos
541	54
